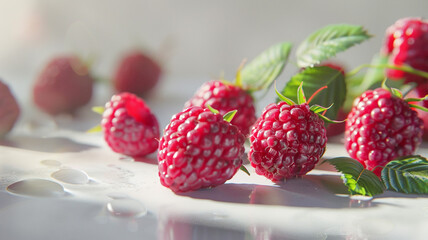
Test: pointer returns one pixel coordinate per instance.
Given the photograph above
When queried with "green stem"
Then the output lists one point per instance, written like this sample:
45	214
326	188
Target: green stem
401	68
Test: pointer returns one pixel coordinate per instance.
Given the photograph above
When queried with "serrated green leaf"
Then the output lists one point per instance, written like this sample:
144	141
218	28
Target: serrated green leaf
359	180
98	109
300	94
407	175
229	116
95	129
264	69
327	42
315	78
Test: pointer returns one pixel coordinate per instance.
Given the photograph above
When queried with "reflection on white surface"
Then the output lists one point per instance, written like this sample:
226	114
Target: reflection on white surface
36	188
126	207
72	176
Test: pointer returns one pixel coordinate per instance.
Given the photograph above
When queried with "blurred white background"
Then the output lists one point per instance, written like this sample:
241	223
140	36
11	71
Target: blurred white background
196	40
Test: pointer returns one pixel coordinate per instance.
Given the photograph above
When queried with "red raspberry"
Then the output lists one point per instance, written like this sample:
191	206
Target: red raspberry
419	92
380	128
198	150
137	73
129	127
406	43
227	97
9	110
287	141
63	86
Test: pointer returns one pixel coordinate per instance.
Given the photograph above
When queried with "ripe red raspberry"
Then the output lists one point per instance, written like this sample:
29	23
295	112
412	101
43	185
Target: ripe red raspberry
287	141
129	126
406	43
9	109
63	86
419	92
227	97
137	73
380	128
198	150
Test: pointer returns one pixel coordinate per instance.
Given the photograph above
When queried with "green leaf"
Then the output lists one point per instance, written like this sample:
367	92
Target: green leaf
359	180
95	129
407	175
264	69
327	42
98	109
229	116
315	78
244	169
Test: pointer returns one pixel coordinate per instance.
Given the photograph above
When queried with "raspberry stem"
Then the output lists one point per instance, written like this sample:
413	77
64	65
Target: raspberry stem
405	68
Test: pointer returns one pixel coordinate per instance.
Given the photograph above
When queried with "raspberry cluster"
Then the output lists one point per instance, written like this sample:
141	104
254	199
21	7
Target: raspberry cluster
226	97
199	149
287	141
406	43
129	126
380	128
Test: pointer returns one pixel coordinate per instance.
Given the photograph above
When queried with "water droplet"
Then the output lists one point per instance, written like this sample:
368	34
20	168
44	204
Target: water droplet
51	163
36	188
71	176
126	208
359	201
117	195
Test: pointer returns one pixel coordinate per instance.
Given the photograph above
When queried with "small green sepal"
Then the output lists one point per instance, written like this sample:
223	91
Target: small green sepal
244	169
419	107
98	109
300	94
213	110
328	120
283	98
95	129
319	109
229	116
416	99
396	92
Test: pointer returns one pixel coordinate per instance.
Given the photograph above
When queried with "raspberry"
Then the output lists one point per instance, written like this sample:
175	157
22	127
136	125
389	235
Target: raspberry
419	92
287	141
129	127
406	43
9	109
226	97
198	150
63	86
380	128
137	73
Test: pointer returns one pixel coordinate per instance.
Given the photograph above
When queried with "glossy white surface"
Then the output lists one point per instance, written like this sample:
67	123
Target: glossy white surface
57	182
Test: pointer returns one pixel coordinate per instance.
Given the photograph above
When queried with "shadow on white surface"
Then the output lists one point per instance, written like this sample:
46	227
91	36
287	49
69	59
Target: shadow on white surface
45	144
